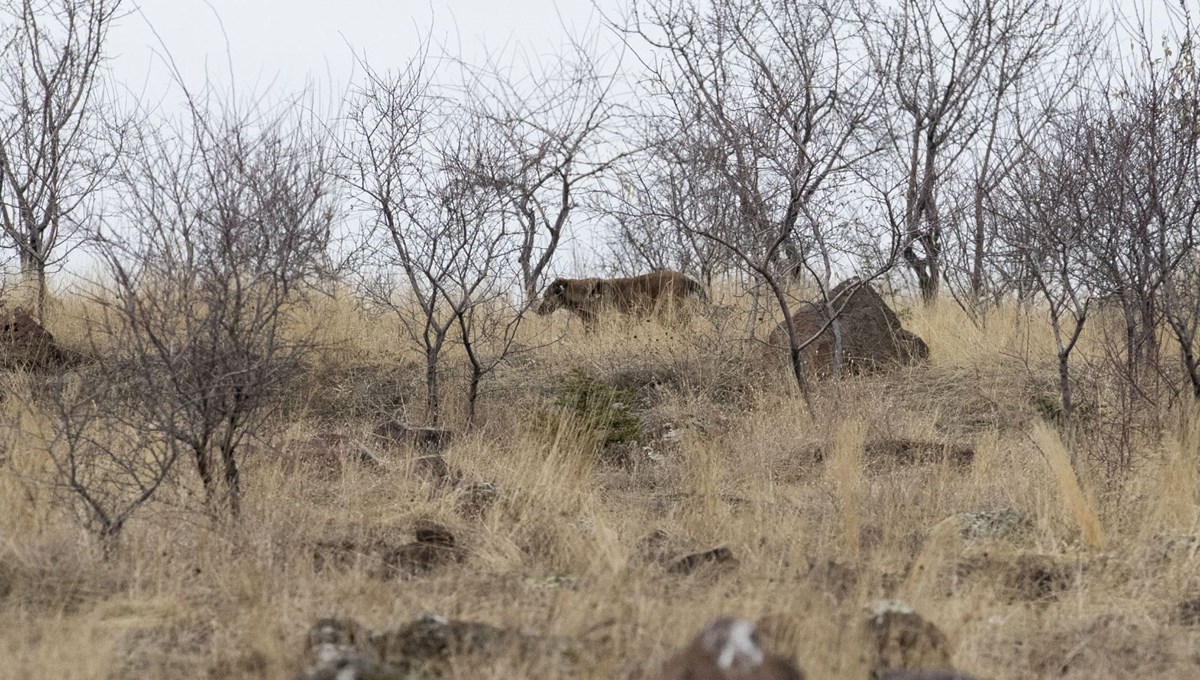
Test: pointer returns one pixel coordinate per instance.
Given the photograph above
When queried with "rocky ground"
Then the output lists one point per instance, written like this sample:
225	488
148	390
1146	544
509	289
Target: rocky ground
646	501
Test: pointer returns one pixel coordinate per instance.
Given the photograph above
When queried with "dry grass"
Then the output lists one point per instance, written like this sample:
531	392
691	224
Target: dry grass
820	519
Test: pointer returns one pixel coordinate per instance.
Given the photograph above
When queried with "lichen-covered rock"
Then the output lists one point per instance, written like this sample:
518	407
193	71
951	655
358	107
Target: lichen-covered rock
728	649
1003	523
341	649
719	557
429	439
662	549
872	337
435	546
896	638
476	498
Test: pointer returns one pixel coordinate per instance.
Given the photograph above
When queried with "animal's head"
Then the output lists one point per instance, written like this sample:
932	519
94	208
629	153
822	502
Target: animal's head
553	297
570	294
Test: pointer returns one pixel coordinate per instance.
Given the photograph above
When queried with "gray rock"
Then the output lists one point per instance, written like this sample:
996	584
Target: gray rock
341	649
895	638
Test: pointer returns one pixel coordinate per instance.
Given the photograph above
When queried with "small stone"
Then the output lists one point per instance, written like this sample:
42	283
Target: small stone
476	498
897	638
415	559
728	649
688	564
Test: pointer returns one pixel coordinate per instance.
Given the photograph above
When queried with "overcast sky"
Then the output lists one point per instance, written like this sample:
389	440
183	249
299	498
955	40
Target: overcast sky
285	45
290	42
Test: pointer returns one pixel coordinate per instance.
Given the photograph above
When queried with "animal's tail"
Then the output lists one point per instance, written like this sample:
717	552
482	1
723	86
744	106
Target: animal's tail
695	288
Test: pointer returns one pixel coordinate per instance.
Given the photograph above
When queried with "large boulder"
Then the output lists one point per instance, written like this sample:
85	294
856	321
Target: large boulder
872	337
25	344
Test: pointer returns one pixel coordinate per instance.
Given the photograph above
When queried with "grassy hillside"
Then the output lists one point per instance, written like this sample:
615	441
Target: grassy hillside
692	431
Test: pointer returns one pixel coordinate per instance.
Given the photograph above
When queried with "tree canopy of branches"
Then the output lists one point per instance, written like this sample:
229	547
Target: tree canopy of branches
227	215
58	136
968	84
442	245
550	139
762	105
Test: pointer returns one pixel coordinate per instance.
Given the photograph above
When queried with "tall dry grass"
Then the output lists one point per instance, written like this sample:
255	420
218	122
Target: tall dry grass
820	519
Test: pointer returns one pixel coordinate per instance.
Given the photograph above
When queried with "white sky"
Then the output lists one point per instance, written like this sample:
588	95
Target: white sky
285	45
291	42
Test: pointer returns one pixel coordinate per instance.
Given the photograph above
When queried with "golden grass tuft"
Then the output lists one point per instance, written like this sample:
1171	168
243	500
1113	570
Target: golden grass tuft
1072	495
844	472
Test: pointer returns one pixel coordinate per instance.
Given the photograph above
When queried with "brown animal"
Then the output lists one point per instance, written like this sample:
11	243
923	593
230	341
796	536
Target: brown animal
654	292
728	649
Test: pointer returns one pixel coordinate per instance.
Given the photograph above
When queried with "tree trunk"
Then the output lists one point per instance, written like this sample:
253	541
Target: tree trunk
977	256
433	399
931	285
207	478
33	273
473	393
1064	386
233	482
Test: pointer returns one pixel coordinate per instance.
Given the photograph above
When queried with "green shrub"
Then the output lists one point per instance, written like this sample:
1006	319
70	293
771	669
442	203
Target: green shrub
604	408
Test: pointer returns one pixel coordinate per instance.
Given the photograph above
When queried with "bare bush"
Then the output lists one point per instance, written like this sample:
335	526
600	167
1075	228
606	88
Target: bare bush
442	248
106	466
1161	111
547	134
1047	234
227	215
959	78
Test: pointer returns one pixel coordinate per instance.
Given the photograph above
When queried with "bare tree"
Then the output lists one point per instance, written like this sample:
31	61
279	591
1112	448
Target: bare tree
764	102
1161	110
488	331
1041	63
225	216
1047	233
443	247
550	134
955	73
55	150
1141	167
665	236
